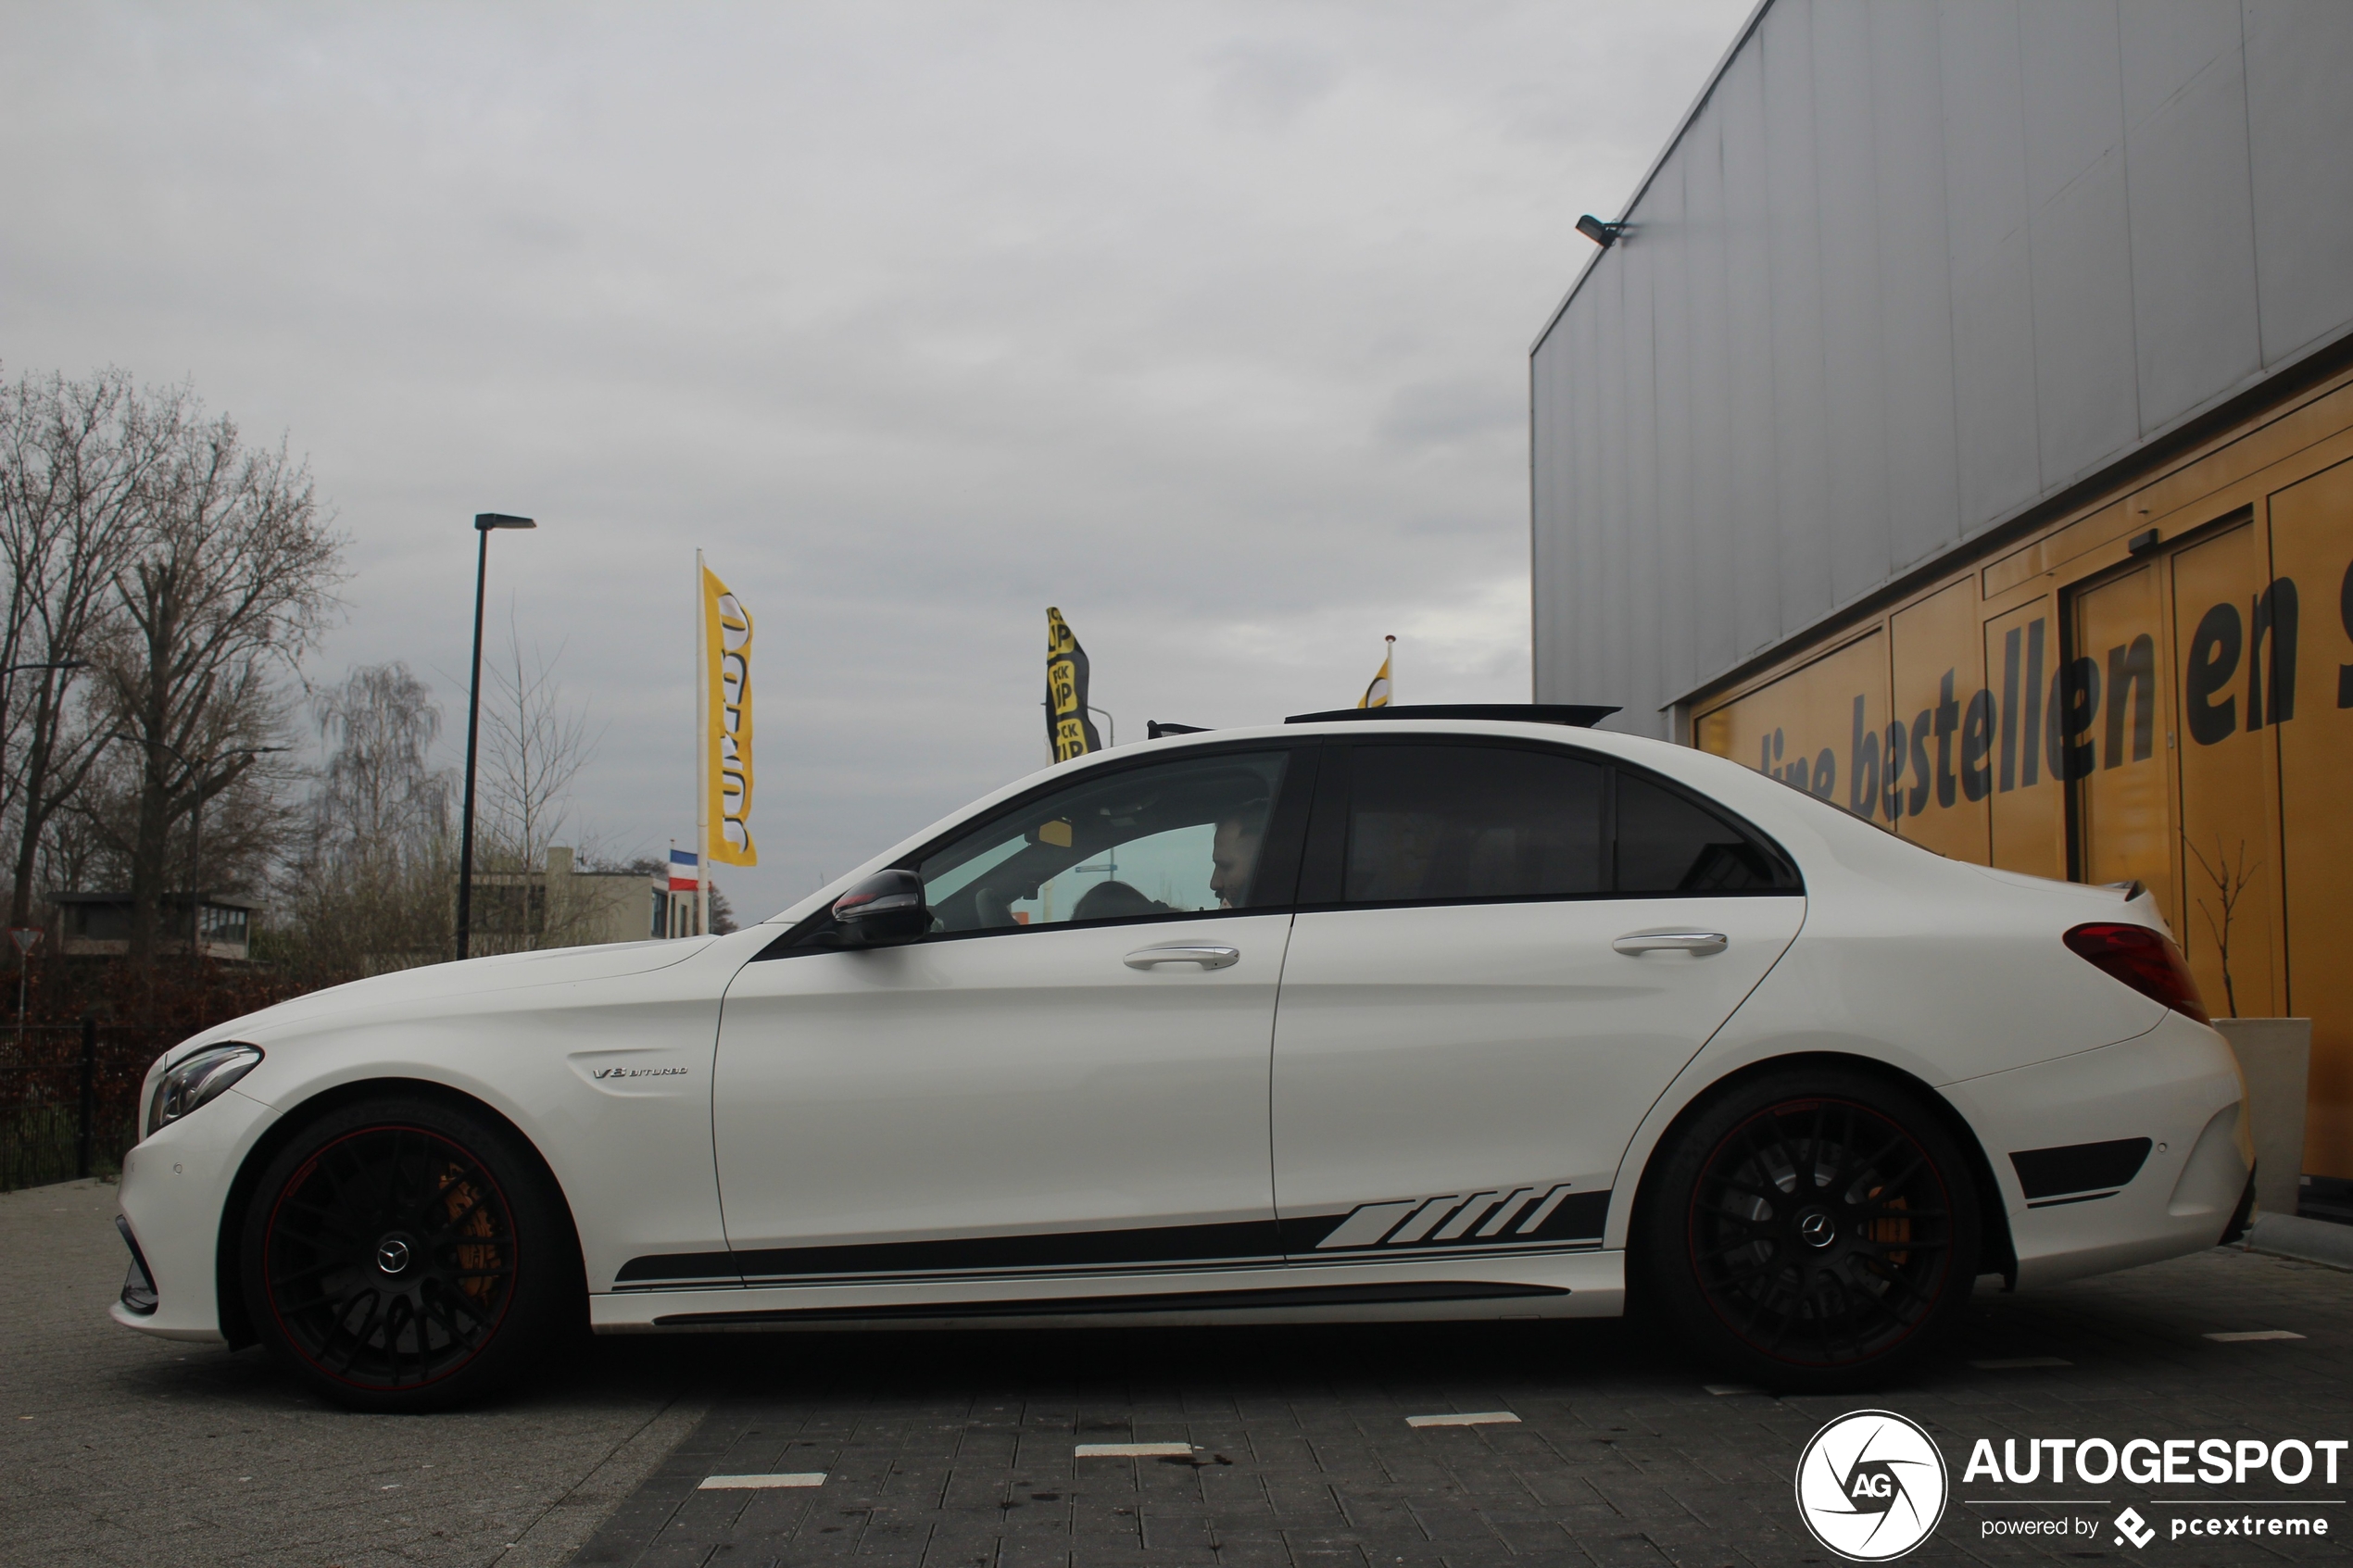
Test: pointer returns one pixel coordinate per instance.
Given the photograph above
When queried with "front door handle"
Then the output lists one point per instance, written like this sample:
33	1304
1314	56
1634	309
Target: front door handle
1699	944
1208	956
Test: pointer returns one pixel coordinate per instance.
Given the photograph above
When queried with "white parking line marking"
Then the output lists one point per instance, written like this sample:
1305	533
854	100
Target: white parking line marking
1471	1418
2020	1363
760	1482
2239	1336
1722	1388
1132	1450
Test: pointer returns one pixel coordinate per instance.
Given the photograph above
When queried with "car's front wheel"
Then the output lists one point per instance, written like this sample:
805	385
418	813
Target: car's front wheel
1811	1230
405	1255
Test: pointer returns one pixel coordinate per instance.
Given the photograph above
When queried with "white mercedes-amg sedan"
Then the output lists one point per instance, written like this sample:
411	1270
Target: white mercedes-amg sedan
1414	1013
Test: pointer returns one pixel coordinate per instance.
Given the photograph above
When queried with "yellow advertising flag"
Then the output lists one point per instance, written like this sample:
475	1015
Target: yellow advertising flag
1069	732
727	761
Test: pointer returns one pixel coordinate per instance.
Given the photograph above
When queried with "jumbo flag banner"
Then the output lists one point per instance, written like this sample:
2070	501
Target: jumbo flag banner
727	740
1068	730
1383	686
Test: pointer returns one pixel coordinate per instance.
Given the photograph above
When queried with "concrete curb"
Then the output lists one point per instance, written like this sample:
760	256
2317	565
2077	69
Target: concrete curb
2312	1241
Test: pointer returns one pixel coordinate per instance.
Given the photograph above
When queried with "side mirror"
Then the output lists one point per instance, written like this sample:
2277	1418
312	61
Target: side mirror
885	909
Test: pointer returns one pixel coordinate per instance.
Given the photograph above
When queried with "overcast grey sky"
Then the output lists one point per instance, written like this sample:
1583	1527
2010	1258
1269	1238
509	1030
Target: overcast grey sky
1206	323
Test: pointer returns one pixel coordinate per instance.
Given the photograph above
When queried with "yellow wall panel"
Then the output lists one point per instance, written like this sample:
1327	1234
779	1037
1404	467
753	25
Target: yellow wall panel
2029	803
1944	723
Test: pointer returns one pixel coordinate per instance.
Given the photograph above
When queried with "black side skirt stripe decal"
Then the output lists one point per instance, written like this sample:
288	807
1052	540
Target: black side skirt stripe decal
2080	1167
1568	1220
1447	1224
1174	1301
1249	1241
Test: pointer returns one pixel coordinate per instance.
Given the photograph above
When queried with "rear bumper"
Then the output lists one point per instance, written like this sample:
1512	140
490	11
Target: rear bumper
2177	1087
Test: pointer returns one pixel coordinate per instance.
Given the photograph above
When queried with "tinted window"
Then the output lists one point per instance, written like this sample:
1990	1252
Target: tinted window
1471	821
1177	838
1668	843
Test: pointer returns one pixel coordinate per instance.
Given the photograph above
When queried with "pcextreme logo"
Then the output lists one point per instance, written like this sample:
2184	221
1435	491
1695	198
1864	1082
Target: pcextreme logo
1871	1485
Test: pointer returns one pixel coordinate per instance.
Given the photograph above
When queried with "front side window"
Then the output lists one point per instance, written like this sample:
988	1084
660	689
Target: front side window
1182	837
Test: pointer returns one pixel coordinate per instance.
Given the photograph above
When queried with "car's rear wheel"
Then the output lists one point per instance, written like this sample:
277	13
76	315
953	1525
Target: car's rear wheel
405	1255
1811	1230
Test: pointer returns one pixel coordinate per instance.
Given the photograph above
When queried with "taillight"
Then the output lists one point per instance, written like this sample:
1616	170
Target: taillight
2145	960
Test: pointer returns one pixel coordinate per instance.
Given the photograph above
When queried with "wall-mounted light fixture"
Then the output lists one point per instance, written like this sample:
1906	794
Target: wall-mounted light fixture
1601	233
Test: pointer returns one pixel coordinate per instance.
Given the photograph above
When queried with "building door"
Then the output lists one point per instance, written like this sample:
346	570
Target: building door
2312	550
2107	730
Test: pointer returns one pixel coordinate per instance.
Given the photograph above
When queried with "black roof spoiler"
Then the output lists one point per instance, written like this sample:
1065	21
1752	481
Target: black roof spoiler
1581	716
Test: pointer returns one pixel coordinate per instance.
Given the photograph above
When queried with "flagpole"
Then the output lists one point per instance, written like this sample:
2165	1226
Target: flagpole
702	753
1390	659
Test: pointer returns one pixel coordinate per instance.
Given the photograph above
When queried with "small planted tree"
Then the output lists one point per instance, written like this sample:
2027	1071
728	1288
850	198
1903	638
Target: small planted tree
2229	879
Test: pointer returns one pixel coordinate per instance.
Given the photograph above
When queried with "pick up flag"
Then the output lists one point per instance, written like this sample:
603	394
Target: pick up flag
726	739
1383	687
1069	732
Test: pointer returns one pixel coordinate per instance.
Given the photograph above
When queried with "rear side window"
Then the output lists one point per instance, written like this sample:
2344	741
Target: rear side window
1463	822
1669	844
1444	822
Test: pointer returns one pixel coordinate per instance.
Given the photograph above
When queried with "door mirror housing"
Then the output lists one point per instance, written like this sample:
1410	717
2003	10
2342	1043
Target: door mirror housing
886	908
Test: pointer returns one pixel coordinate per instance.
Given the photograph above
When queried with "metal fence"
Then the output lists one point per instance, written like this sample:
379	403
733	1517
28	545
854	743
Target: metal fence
69	1097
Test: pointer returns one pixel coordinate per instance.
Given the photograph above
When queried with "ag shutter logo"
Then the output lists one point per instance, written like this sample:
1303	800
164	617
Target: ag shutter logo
1871	1485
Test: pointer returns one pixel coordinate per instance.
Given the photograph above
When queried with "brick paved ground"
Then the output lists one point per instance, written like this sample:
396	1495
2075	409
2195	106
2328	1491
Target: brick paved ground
957	1449
119	1448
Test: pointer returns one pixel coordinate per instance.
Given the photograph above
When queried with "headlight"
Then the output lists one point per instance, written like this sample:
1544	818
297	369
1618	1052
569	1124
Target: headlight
202	1076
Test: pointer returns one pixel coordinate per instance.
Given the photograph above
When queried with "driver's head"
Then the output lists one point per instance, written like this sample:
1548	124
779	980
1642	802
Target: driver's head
1233	855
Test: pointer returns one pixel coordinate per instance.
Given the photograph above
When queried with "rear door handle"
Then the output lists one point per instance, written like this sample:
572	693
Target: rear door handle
1208	956
1699	944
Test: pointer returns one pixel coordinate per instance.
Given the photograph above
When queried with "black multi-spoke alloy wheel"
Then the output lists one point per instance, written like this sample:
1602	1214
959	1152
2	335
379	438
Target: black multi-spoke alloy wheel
1810	1231
402	1255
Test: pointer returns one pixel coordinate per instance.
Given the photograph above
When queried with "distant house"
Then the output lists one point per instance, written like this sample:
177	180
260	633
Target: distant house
556	905
99	925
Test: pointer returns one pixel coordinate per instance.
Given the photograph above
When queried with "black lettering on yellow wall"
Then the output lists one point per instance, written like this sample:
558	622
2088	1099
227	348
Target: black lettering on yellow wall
1825	772
1948	720
1897	739
2272	629
1977	745
2132	668
2075	706
2028	771
2214	659
2344	616
1918	801
1862	773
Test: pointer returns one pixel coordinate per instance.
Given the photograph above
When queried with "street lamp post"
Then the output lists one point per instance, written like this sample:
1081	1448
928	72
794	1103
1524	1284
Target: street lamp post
484	523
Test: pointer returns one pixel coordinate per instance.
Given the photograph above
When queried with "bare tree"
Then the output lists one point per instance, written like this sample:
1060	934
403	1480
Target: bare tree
77	463
533	746
2231	882
231	577
370	889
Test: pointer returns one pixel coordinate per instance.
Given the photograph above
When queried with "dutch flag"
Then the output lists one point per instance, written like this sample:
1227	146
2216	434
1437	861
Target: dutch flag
683	872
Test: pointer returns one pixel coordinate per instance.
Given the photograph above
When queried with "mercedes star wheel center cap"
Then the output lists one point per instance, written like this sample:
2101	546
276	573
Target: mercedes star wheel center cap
1818	1228
392	1255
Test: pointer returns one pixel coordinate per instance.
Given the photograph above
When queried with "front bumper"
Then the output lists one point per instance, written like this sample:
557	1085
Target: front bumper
175	1186
2179	1087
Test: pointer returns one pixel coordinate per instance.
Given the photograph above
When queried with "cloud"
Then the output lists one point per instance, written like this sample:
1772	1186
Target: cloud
1206	323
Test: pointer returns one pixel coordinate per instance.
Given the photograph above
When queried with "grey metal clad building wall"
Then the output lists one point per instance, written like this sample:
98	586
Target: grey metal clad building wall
1908	271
